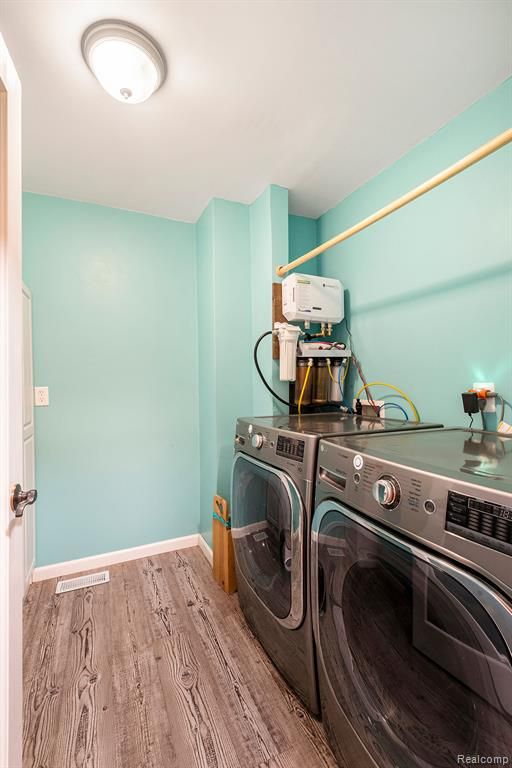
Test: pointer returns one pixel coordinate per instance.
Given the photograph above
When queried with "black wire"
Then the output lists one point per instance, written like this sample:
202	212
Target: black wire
255	355
470	420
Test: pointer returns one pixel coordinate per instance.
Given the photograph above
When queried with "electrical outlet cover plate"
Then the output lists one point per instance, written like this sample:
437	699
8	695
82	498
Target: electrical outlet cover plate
41	396
490	403
369	410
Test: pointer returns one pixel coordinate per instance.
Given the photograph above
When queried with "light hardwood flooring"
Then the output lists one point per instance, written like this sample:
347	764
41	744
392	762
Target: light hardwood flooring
156	669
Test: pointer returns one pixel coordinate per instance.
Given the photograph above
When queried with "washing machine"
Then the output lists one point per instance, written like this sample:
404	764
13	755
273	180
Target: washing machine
271	511
412	598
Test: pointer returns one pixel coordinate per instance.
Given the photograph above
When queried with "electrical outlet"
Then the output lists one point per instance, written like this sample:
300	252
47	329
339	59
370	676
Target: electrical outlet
369	410
490	403
41	396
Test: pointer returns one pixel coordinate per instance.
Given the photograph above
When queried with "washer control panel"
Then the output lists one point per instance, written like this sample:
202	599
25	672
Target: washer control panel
386	491
437	511
480	521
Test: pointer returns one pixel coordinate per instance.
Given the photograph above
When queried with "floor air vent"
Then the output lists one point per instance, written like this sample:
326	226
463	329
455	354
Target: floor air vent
81	582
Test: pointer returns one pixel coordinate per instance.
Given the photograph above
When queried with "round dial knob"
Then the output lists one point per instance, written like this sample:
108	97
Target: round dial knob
257	440
386	491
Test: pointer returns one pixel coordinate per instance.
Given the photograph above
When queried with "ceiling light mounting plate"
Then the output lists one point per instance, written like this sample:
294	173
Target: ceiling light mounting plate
127	62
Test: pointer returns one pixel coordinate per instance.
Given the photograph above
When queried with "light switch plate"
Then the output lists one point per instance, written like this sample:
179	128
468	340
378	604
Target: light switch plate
41	396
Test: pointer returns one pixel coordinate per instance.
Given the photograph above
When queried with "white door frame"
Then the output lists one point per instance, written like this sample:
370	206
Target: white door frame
11	462
29	480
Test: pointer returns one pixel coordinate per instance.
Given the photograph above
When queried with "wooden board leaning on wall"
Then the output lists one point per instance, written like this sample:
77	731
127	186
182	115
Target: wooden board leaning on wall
277	316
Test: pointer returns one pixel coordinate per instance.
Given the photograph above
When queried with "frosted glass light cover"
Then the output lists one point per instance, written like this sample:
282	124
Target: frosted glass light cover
125	60
124	70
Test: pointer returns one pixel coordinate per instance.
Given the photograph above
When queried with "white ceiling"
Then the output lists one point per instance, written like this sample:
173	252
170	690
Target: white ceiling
315	95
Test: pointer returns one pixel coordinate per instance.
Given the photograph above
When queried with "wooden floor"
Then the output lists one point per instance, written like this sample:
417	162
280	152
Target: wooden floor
156	669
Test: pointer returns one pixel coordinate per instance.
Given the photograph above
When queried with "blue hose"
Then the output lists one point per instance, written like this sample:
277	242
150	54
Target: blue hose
394	405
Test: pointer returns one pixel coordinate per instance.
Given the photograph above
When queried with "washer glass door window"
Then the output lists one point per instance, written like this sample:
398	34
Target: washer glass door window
267	522
416	650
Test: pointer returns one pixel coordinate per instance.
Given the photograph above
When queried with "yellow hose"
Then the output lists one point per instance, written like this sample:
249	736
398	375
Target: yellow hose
391	386
306	377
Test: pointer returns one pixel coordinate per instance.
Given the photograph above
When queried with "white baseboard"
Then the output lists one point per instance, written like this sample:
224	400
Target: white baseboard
206	549
111	558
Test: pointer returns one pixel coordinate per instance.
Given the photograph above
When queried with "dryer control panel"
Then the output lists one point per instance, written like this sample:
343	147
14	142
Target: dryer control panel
290	447
479	520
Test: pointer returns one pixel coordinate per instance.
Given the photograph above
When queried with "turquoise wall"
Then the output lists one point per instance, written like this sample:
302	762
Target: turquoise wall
233	329
238	248
302	237
127	402
268	249
207	381
115	339
225	366
428	289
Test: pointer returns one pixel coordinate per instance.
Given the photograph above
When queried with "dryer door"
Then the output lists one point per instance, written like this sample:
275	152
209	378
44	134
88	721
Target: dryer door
414	652
267	519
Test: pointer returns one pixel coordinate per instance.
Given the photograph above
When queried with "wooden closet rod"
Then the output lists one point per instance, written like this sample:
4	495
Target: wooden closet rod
435	181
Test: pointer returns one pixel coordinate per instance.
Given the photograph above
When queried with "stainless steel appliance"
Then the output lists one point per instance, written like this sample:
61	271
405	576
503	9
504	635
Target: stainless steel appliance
412	598
272	508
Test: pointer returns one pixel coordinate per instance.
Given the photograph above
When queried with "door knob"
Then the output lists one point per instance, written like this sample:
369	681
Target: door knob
20	499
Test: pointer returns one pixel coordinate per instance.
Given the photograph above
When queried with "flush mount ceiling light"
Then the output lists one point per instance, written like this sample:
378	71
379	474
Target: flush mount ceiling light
126	61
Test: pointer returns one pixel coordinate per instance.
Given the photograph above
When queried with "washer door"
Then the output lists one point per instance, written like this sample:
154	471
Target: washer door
416	651
267	517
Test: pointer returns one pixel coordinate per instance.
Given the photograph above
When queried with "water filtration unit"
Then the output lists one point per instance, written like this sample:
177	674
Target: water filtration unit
308	299
288	336
315	364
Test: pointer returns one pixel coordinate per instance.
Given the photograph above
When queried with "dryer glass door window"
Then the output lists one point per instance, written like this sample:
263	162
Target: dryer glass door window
267	535
417	651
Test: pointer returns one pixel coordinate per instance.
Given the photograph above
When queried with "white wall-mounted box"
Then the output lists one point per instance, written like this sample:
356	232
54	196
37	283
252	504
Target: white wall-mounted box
314	299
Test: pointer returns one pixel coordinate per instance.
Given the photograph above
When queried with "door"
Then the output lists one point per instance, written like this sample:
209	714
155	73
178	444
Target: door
415	652
267	521
11	438
29	479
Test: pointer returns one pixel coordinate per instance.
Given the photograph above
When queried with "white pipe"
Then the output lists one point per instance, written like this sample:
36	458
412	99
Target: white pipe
473	157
